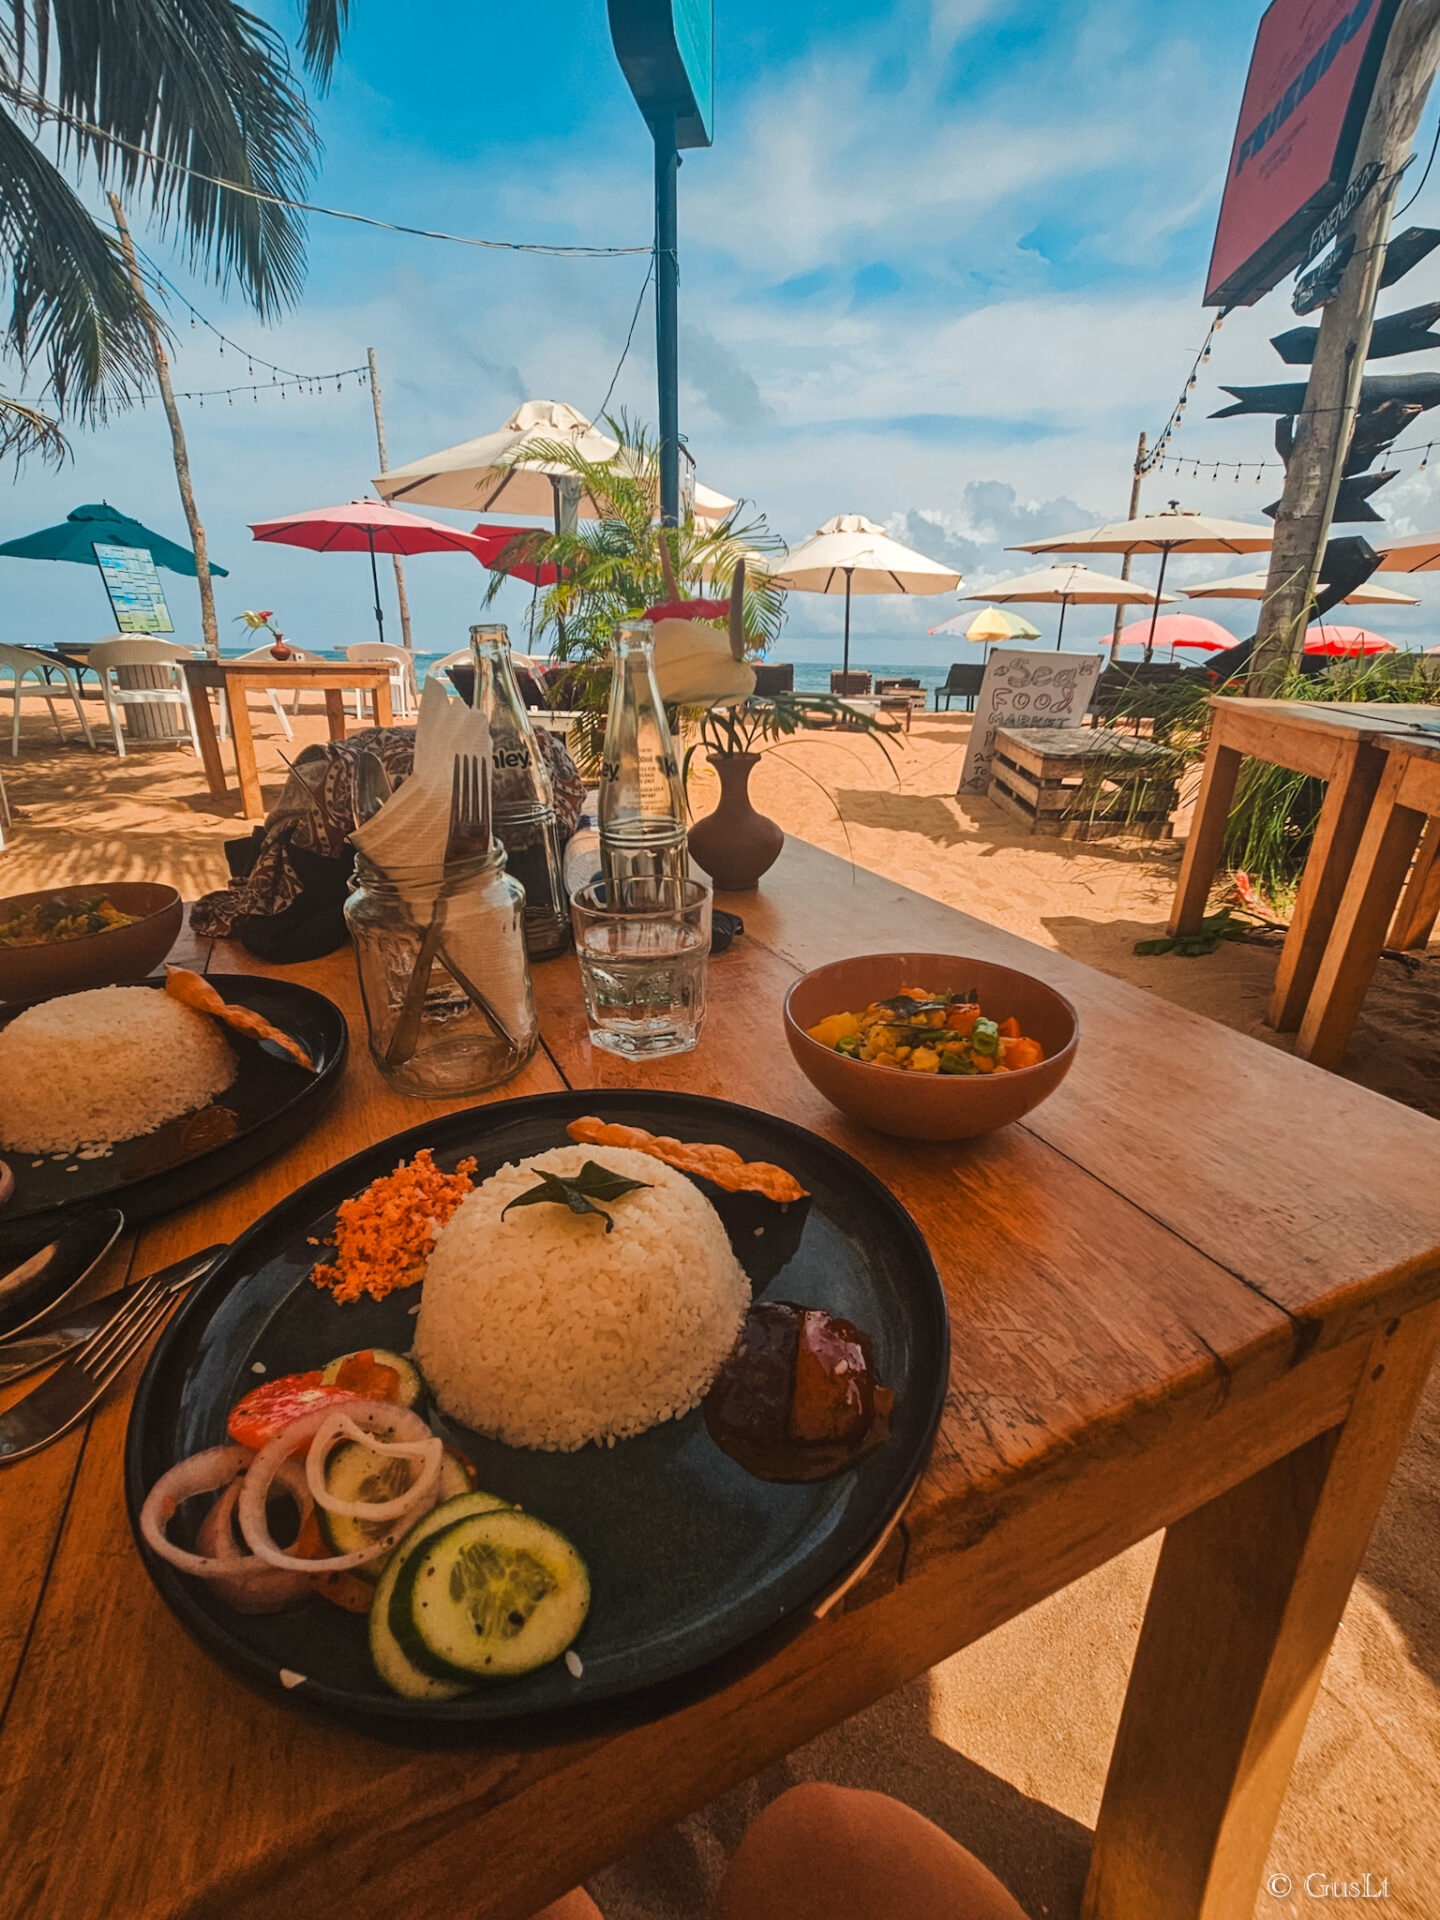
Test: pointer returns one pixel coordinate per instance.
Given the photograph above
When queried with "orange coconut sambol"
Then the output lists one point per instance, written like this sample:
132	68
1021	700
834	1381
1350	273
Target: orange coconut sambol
383	1237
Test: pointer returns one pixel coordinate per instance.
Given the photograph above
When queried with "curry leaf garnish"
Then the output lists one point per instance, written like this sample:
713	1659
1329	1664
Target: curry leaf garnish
578	1191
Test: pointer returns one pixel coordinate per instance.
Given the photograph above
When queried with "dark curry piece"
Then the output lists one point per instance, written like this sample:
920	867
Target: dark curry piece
798	1398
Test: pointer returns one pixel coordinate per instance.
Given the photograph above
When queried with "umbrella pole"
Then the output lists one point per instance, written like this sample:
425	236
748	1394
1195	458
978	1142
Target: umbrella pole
1155	610
849	575
1060	633
375	582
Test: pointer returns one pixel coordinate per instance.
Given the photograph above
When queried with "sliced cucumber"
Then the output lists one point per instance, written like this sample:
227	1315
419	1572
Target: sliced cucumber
400	1674
412	1387
492	1596
354	1472
457	1476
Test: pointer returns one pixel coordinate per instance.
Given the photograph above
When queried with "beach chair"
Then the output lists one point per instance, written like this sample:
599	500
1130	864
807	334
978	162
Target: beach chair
460	657
846	684
169	689
21	664
963	682
404	693
773	677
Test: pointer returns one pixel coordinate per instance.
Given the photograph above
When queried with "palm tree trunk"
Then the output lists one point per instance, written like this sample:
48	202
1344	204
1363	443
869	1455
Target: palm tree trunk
208	624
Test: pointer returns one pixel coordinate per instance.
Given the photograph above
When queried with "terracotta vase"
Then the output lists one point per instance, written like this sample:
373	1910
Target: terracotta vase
281	649
735	844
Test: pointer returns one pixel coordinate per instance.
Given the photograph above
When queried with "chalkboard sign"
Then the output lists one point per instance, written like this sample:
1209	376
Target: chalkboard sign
136	597
1025	689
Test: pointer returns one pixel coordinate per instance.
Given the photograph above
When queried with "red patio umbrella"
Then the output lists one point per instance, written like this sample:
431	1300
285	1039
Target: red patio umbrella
1178	630
365	526
1346	640
491	541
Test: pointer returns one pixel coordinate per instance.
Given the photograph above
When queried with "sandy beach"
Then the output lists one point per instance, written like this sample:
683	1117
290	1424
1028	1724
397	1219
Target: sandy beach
1006	1744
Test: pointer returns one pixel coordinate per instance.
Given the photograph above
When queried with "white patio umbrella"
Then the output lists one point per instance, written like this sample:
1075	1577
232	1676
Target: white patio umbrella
850	555
494	475
1410	553
1066	586
1253	586
1172	530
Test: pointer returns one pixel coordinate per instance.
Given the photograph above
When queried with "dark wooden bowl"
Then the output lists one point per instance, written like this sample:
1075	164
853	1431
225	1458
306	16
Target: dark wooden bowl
107	959
923	1106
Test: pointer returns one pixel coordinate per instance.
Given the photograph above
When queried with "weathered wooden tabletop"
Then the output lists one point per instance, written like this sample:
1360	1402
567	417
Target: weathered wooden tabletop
1194	1290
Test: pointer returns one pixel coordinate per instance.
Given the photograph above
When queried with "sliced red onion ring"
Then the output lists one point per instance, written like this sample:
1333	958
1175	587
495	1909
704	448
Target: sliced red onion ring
217	1467
371	1416
263	1589
340	1425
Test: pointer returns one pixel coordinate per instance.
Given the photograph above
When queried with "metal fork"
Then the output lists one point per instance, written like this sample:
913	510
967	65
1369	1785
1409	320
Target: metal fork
469	834
70	1392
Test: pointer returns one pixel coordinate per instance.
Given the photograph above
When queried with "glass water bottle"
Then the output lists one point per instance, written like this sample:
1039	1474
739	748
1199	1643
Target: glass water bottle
642	799
521	798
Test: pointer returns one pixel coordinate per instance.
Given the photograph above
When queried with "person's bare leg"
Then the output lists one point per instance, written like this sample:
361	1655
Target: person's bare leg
834	1853
575	1905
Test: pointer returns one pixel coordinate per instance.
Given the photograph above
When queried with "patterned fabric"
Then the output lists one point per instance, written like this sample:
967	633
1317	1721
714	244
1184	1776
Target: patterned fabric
316	813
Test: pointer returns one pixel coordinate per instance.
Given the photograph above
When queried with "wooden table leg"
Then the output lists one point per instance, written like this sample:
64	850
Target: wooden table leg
335	712
1348	796
384	711
1247	1596
209	743
1369	902
1420	907
1207	830
252	802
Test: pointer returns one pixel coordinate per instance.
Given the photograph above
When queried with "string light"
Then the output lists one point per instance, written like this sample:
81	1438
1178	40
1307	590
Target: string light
1156	455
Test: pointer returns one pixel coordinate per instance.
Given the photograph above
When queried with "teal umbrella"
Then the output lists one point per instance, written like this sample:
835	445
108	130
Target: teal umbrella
74	537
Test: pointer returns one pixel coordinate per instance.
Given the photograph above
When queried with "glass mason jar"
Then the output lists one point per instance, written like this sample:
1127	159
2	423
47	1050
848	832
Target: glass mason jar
476	1014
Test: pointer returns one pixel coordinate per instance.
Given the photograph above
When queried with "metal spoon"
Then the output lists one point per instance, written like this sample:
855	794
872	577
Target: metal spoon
44	1264
372	786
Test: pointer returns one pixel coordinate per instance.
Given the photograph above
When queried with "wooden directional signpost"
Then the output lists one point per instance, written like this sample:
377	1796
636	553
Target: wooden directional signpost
1334	94
666	50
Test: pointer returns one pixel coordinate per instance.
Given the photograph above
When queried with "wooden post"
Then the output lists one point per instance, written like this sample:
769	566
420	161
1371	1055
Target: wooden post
1136	477
1322	437
208	624
400	593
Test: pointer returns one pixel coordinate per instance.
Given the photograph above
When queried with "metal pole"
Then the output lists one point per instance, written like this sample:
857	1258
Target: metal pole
667	316
845	670
375	582
1155	610
209	626
400	593
1135	478
1060	635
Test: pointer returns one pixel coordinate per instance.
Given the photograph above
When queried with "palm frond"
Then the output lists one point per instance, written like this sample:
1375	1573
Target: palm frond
209	86
24	430
323	29
72	308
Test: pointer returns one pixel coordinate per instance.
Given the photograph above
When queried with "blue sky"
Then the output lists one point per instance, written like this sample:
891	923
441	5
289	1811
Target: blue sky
940	267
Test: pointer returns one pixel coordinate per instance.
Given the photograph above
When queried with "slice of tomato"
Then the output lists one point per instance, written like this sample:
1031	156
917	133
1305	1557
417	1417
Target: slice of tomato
269	1408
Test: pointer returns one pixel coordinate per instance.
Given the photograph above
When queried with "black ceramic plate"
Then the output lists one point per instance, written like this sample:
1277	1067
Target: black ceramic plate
689	1555
273	1098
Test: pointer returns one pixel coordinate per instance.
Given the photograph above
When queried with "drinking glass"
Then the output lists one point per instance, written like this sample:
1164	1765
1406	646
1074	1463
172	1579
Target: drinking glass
643	948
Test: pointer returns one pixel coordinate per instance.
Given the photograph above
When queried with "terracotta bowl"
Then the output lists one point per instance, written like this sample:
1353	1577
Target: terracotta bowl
107	959
923	1106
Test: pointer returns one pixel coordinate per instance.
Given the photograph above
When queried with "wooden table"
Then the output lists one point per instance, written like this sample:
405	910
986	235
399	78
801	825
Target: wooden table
1131	1350
1338	743
1377	894
233	679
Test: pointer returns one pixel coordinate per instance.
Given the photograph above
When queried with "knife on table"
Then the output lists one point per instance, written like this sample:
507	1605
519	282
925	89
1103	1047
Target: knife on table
48	1344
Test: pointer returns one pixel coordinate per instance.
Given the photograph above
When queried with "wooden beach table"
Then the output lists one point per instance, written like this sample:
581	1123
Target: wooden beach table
233	679
1338	742
1132	1349
1377	894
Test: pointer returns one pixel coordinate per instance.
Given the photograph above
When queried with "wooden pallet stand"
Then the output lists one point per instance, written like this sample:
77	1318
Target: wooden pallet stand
1084	783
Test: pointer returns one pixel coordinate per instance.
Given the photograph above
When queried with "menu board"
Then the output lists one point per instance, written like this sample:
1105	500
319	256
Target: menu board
1025	689
136	597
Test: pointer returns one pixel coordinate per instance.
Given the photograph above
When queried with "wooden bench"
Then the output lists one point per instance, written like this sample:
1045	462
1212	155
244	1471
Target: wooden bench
1082	783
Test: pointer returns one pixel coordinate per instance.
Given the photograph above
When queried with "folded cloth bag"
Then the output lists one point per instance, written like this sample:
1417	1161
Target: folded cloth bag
289	905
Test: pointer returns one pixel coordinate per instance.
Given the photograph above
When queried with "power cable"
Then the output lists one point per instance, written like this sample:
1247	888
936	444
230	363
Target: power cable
625	350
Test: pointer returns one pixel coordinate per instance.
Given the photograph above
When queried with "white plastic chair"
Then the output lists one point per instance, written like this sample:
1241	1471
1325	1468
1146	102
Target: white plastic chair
438	668
404	695
20	663
142	650
263	653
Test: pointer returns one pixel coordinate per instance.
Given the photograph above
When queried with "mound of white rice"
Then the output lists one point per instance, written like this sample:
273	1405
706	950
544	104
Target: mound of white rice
543	1330
92	1068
